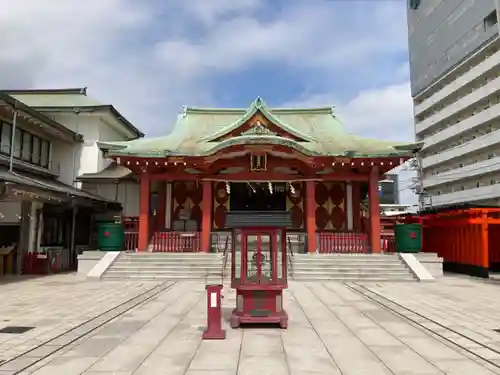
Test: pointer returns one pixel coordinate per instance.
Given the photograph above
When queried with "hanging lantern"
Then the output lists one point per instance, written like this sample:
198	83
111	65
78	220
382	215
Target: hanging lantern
270	186
228	188
292	189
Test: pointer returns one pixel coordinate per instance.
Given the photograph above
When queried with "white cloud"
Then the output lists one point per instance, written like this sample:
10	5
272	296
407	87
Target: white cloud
384	113
150	58
305	36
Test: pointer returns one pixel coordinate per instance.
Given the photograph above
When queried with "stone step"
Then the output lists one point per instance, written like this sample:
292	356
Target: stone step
349	267
341	263
356	278
352	271
342	256
163	272
187	262
168	255
208	280
165	269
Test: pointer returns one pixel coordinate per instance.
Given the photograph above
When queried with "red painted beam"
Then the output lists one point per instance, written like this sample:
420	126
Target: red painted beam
258	176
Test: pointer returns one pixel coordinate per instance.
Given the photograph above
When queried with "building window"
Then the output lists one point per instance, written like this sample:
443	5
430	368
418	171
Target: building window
492	182
490	20
5	138
18	139
37	148
27	144
414	4
45	149
27	147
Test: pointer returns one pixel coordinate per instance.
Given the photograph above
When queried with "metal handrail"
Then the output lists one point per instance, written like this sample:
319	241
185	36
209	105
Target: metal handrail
224	257
290	253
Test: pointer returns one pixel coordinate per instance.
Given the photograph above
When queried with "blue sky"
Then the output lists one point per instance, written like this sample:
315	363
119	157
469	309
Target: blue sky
151	57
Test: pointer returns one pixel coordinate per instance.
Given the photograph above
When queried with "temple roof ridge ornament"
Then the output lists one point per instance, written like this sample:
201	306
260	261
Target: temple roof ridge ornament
258	105
258	129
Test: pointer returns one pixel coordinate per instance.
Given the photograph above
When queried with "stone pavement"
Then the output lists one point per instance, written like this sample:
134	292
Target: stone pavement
334	329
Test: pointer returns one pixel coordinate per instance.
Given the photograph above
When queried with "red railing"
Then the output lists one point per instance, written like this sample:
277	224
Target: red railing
176	242
46	262
131	240
387	243
342	242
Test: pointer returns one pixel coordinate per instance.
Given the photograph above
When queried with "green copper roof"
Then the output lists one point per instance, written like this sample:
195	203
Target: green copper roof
318	129
55	98
68	99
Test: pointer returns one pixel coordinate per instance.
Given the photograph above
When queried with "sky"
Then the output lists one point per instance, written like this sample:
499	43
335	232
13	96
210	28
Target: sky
151	57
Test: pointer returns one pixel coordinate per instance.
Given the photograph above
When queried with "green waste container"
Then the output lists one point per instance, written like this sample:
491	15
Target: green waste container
110	237
408	238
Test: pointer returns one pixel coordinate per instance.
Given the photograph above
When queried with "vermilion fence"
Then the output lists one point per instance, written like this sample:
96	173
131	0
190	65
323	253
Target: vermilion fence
131	225
176	242
387	243
131	240
46	262
342	242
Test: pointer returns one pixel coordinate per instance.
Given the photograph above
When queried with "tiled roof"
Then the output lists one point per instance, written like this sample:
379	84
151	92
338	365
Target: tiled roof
318	130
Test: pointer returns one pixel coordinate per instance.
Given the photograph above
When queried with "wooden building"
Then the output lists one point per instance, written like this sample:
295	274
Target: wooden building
260	159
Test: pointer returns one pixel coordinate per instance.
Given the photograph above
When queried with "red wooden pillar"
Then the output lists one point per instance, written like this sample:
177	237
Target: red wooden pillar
162	204
311	216
356	206
374	210
206	221
484	241
144	198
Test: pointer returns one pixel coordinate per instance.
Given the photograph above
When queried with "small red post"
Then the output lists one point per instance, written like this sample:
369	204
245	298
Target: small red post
214	329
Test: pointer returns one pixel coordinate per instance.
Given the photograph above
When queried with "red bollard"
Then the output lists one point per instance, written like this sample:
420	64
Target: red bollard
214	329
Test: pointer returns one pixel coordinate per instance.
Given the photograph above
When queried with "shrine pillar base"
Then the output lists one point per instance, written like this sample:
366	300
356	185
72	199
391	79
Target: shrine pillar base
259	307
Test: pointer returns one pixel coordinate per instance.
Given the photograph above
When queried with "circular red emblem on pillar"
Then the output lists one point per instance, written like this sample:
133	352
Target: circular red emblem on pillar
413	235
106	234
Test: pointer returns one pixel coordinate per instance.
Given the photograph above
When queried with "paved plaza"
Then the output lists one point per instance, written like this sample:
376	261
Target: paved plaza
125	328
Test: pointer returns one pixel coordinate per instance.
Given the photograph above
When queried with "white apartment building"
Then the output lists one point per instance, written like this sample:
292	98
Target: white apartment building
455	66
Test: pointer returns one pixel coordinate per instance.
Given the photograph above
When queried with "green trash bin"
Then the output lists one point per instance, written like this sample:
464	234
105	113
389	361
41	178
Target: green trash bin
110	236
408	238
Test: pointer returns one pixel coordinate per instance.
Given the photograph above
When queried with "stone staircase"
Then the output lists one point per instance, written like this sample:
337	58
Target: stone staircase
349	267
303	267
166	266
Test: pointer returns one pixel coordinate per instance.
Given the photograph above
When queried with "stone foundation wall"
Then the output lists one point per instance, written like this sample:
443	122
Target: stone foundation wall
432	263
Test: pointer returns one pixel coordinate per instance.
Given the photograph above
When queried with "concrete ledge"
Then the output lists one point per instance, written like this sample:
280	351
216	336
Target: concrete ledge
87	260
417	269
102	265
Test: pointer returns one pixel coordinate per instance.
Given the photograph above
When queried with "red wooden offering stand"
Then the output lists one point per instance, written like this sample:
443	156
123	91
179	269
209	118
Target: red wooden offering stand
262	276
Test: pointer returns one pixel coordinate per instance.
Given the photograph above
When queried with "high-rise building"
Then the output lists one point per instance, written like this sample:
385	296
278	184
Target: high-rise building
455	84
389	189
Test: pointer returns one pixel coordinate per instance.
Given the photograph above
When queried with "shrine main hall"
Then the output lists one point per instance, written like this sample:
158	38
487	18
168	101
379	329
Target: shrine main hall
296	160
